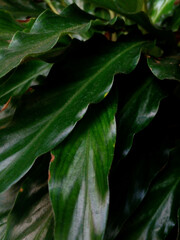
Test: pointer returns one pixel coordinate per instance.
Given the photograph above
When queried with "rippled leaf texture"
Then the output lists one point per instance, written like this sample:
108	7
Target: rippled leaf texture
159	9
20	80
138	17
8	26
165	68
137	113
45	118
31	216
22	8
43	36
157	214
78	185
134	173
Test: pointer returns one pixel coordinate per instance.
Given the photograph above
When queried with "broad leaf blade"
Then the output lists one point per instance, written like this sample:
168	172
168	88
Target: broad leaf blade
21	79
157	214
138	111
79	171
44	34
8	26
47	117
158	9
31	217
149	154
165	68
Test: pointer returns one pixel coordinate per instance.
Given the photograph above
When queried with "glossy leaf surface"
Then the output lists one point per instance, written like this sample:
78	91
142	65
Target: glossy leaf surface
155	221
79	171
31	217
44	34
137	113
165	68
19	81
7	200
158	9
8	26
38	128
140	166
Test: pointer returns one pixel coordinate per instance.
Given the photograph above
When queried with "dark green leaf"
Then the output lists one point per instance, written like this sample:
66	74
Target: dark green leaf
8	26
22	8
47	117
165	68
32	216
138	112
130	6
176	19
157	214
159	9
131	178
140	18
78	185
7	200
19	81
43	36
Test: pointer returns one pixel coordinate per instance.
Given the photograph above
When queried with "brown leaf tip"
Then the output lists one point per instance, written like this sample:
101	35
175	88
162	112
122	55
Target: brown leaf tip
5	105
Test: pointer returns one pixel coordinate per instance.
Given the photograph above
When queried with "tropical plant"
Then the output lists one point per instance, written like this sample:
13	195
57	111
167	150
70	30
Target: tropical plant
89	119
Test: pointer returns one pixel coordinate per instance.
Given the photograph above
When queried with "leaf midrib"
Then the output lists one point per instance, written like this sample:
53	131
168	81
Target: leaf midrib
80	90
159	13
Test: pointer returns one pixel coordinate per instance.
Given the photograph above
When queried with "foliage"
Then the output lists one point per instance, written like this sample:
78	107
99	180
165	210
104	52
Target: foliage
89	122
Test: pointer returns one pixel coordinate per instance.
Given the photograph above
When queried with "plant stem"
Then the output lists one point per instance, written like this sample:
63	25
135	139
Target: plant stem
144	9
51	6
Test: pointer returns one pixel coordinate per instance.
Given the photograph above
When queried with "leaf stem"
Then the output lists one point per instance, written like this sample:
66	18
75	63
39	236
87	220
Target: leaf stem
113	35
51	6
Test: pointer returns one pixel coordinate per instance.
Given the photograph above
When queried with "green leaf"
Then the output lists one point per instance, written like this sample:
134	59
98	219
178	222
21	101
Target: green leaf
131	177
138	17
8	26
131	6
20	80
46	117
22	8
43	36
176	19
31	216
159	9
157	214
79	171
138	111
165	68
7	200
